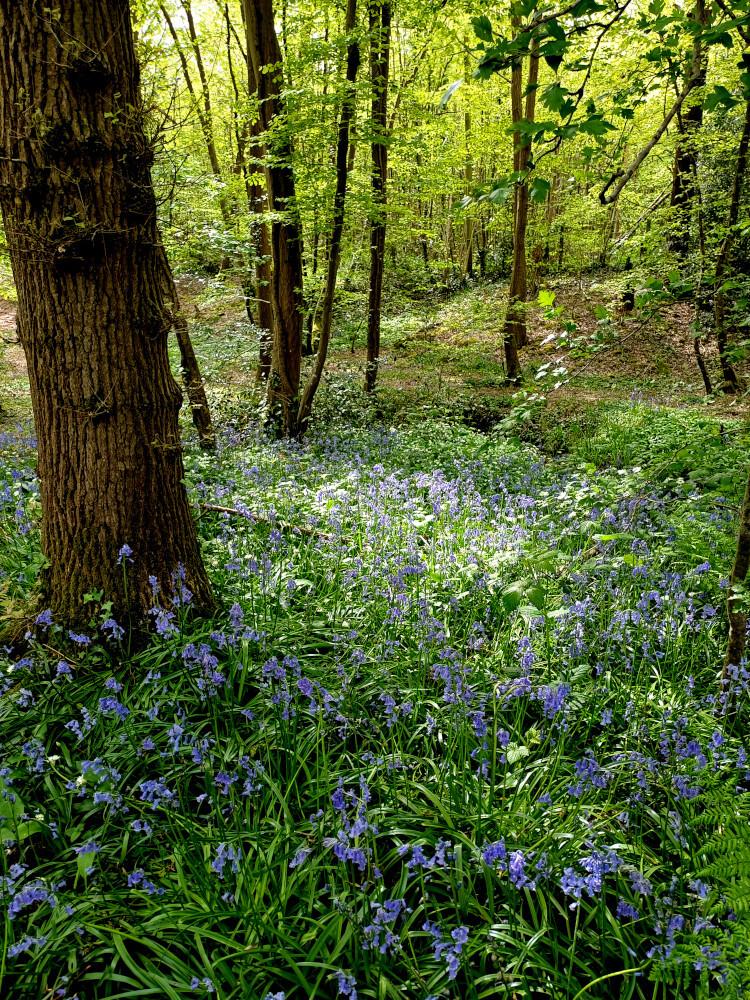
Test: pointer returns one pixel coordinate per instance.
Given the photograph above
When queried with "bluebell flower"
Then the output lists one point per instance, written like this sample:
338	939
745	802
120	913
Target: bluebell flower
449	949
124	555
111	706
517	871
25	944
590	775
224	781
379	934
626	911
112	630
137	880
301	855
205	983
711	959
31	894
81	640
494	853
226	854
347	985
157	793
91	847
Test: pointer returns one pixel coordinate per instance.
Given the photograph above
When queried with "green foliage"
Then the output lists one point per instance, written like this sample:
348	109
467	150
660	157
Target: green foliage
432	635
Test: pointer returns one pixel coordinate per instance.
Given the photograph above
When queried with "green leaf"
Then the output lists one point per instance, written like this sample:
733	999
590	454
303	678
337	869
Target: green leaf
539	190
554	97
596	125
500	194
720	97
85	861
515	752
482	28
24	831
11	809
586	7
526	127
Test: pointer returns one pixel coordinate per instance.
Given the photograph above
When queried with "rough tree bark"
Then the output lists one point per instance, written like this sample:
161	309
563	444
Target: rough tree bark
258	205
379	14
514	328
80	218
285	290
731	383
684	173
348	107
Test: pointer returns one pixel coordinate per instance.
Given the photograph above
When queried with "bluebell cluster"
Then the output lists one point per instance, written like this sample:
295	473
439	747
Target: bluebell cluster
463	709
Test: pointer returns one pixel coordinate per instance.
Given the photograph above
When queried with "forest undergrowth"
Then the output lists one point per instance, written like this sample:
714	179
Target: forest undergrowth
457	731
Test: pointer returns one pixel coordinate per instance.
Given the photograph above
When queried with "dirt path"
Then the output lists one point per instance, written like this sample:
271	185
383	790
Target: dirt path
11	351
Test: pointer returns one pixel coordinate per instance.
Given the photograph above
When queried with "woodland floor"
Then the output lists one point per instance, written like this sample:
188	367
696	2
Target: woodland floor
455	731
451	350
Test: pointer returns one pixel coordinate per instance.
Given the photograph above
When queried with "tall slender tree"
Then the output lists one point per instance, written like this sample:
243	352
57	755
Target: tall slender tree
348	107
523	108
379	15
80	219
285	291
689	124
731	383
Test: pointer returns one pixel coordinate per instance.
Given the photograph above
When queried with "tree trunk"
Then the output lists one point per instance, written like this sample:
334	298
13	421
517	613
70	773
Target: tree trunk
514	330
258	206
380	45
241	167
684	172
467	265
285	290
80	218
191	374
731	382
348	106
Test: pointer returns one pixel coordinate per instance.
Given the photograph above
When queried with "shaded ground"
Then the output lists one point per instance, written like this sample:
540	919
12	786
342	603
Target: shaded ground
452	351
14	386
12	353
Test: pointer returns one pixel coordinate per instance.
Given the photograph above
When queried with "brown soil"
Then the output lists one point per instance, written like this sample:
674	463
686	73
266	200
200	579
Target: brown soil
11	351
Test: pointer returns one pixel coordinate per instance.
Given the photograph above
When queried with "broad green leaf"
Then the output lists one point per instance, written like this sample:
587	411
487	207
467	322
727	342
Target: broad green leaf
482	27
720	97
539	190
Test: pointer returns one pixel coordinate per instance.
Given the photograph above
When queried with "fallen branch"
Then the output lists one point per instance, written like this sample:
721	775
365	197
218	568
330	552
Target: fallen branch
623	176
652	207
304	529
